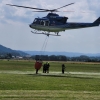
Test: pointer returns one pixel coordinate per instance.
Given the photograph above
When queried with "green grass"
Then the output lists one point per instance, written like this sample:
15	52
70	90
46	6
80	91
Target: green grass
18	81
14	65
57	82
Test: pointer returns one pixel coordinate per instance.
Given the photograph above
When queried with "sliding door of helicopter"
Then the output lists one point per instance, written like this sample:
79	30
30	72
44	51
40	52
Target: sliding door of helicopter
46	23
42	22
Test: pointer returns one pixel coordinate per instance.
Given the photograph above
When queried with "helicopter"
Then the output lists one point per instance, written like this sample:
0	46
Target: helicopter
52	22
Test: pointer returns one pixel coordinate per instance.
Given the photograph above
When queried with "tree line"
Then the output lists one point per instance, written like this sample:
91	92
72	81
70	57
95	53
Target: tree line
82	58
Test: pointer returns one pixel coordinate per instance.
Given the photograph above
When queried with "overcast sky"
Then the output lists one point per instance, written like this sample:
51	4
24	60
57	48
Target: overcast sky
15	32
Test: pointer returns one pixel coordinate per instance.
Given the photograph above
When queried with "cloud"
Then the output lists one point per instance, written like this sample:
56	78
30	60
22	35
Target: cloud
15	32
14	13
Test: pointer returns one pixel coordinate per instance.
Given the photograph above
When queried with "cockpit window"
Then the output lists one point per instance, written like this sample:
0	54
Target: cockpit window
35	20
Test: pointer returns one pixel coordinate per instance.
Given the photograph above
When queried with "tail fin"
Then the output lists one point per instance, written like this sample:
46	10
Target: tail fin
97	21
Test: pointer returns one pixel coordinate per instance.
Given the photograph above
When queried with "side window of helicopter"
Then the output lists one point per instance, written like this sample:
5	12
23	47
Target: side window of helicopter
42	22
46	23
39	22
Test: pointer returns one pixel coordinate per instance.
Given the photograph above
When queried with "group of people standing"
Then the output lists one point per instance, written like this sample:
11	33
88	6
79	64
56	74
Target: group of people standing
46	66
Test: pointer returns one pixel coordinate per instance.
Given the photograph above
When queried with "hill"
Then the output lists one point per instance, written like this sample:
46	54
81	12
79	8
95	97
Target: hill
4	50
68	54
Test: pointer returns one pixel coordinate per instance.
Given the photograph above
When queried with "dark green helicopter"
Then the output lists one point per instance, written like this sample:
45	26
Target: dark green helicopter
55	23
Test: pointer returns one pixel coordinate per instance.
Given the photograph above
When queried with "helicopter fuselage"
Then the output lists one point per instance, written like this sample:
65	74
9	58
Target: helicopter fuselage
55	23
59	28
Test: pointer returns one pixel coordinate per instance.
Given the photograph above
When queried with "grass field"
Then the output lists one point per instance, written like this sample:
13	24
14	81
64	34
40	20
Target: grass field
18	81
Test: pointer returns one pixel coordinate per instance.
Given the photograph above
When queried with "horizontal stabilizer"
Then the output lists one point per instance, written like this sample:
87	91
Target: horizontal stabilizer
97	21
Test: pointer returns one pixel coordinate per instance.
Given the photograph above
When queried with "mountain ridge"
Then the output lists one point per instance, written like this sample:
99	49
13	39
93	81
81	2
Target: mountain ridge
5	50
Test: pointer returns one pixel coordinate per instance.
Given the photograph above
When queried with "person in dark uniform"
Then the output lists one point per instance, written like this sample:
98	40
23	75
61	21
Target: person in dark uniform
44	68
48	65
63	68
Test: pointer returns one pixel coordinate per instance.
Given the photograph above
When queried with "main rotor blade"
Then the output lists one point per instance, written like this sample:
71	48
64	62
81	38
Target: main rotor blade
64	6
45	11
41	10
68	11
27	7
52	11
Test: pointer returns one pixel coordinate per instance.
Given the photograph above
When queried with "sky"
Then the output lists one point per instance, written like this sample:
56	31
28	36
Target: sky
15	32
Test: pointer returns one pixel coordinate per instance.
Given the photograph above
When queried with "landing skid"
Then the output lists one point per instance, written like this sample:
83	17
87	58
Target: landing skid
48	34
